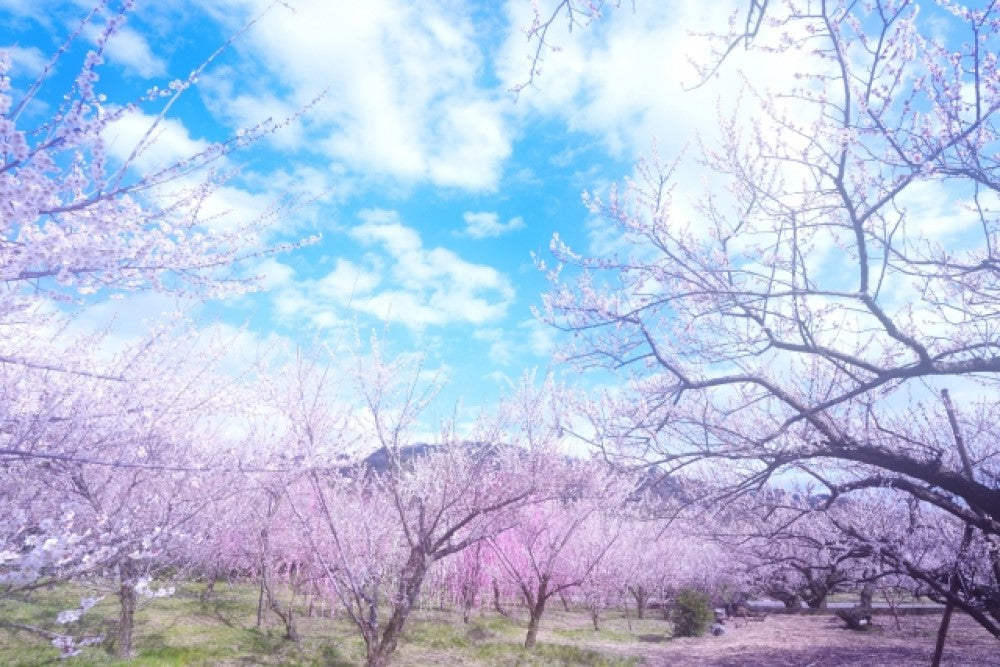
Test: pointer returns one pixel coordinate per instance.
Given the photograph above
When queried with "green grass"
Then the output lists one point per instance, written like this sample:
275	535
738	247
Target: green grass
603	634
183	630
548	654
435	635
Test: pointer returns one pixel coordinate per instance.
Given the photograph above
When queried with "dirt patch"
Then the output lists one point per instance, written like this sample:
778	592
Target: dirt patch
822	641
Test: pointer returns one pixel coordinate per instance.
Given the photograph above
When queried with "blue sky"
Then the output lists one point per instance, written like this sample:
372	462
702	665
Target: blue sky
435	183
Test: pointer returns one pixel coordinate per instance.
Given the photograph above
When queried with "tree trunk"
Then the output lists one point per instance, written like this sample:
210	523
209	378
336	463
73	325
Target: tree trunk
817	601
260	598
496	600
595	617
790	599
466	610
891	601
535	612
640	596
287	614
954	581
867	595
468	600
378	657
407	593
818	588
265	550
209	591
533	620
942	634
126	620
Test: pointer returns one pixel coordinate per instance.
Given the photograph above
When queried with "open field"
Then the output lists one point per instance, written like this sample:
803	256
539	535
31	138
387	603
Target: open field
185	631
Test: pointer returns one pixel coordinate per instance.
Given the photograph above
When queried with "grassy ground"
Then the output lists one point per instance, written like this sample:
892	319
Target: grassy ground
182	630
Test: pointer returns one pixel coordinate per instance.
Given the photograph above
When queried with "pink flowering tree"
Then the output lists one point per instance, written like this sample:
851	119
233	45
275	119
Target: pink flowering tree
465	578
812	310
81	223
554	545
376	529
111	475
605	583
788	548
660	557
640	560
302	431
77	221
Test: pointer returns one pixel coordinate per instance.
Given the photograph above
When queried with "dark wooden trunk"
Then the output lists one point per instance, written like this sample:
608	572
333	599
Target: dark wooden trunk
536	607
407	593
126	619
641	597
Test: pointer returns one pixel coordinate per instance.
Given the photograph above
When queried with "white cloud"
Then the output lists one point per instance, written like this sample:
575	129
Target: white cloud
404	97
124	322
529	337
384	227
130	50
540	338
399	280
228	205
481	225
941	212
243	110
346	281
498	378
273	273
24	8
435	286
501	349
171	141
623	79
27	61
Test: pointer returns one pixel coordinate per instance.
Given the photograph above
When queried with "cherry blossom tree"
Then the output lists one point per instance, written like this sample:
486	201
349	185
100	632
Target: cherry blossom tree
76	221
82	223
111	474
376	531
641	561
661	557
811	311
557	543
923	548
790	550
302	430
465	578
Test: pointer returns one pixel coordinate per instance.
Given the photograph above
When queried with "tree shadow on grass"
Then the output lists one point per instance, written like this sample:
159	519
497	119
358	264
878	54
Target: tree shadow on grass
331	657
221	618
653	639
265	643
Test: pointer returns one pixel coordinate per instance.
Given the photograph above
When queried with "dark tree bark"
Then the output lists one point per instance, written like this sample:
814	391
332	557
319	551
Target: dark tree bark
285	613
496	601
407	593
209	590
535	613
126	618
641	597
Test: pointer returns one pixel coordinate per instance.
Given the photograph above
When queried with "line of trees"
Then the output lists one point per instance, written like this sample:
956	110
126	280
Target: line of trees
825	309
809	321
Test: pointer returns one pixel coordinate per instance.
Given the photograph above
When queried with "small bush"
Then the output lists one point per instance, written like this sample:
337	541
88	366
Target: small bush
692	614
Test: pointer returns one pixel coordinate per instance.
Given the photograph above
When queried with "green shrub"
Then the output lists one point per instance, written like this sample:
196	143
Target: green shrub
692	614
